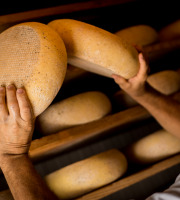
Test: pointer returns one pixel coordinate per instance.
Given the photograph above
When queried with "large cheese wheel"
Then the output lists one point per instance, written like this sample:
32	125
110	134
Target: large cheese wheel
171	31
154	147
96	50
167	82
75	110
140	35
86	175
34	56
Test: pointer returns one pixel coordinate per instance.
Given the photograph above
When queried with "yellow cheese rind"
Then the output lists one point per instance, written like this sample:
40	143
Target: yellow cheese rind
171	31
79	109
167	82
96	50
140	35
86	175
154	147
34	56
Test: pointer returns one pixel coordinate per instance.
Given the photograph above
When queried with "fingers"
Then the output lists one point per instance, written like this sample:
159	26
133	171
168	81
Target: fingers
24	105
12	103
119	80
3	107
143	70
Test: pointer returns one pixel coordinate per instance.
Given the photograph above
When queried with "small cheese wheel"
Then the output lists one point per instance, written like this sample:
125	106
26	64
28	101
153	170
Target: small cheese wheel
34	56
96	50
86	175
167	82
140	35
154	147
171	31
75	110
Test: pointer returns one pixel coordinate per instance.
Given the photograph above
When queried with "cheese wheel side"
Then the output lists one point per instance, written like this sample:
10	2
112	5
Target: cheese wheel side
96	50
88	174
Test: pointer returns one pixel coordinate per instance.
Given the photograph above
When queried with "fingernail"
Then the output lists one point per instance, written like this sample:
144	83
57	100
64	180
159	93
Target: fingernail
10	87
20	91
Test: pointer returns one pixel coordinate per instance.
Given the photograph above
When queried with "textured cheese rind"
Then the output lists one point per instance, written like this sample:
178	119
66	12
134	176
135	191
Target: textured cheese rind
167	82
171	31
86	175
75	110
98	50
47	72
140	35
154	147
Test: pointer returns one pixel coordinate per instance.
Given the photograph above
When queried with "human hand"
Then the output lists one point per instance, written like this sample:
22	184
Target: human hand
16	121
135	86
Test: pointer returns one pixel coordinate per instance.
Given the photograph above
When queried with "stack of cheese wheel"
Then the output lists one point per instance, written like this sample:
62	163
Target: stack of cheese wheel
140	35
96	50
171	31
86	175
152	148
166	82
79	109
33	55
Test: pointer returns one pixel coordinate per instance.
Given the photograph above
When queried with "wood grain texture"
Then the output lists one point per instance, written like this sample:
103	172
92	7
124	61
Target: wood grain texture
63	140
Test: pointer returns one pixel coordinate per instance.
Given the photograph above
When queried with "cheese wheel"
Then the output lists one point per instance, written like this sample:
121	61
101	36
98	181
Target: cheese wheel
75	110
6	195
167	82
34	56
140	35
86	175
154	147
96	50
171	31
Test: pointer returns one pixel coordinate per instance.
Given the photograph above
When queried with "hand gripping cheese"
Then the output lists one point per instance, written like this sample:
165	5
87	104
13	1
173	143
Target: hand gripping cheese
75	110
33	55
154	147
167	82
96	50
86	175
140	35
171	31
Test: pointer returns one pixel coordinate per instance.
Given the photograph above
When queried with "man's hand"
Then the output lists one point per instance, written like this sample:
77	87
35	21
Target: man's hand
16	121
135	86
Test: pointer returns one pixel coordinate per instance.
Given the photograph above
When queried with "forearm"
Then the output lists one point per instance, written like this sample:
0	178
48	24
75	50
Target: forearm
23	180
163	108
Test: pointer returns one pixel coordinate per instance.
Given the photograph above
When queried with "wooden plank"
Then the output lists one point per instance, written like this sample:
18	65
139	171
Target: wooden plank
57	10
61	141
132	179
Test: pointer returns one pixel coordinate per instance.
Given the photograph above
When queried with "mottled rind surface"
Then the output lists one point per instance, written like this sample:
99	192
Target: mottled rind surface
75	110
140	35
34	56
86	175
167	82
106	51
154	147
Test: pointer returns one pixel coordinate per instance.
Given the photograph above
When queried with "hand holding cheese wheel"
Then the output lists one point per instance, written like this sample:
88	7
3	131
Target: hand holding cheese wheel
167	82
33	55
171	31
96	50
75	110
140	35
86	175
154	147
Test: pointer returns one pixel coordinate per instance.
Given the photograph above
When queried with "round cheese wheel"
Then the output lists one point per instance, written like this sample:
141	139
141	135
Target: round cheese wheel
33	55
167	82
171	31
75	110
154	147
140	35
96	50
86	175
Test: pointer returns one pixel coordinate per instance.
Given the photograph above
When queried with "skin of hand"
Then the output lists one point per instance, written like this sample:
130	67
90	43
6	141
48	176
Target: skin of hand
135	86
16	121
